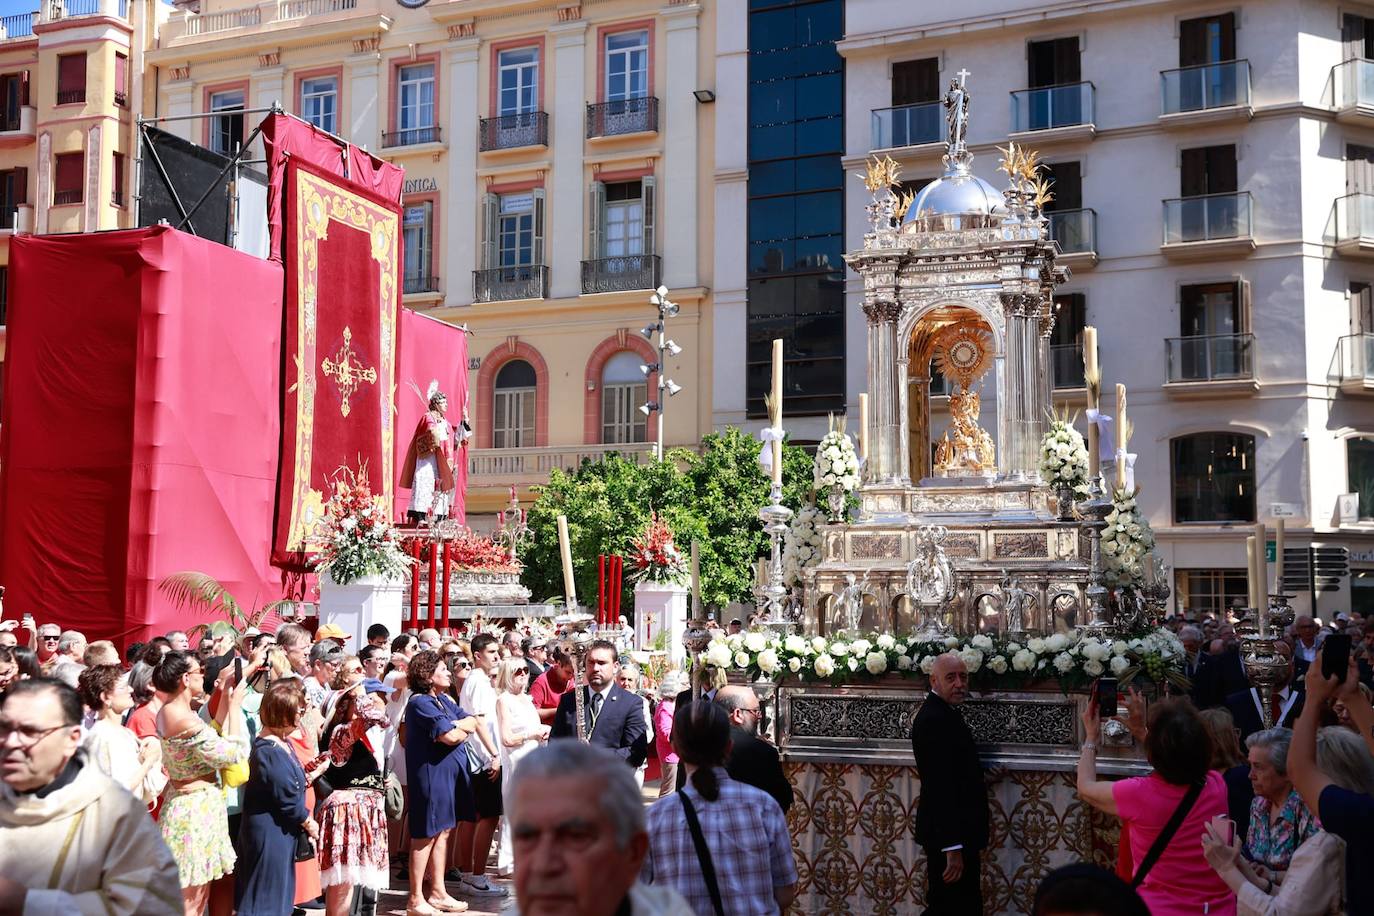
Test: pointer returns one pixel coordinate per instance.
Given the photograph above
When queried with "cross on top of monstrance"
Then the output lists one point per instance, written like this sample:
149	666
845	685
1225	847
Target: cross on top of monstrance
347	370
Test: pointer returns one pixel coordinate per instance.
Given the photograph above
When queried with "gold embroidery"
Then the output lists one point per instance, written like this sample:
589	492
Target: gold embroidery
66	848
347	370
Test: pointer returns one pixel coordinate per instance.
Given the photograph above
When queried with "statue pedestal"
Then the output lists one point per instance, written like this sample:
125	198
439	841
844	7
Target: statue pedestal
661	607
361	603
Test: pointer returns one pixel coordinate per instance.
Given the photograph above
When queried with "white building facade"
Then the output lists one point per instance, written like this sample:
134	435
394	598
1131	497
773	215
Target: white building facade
1212	168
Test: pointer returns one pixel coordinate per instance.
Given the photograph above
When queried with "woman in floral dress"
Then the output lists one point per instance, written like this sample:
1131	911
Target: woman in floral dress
194	822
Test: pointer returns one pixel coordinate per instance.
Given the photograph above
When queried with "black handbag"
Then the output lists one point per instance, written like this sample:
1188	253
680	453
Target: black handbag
305	850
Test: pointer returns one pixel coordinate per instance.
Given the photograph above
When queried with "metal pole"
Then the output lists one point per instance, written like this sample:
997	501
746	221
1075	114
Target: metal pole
662	374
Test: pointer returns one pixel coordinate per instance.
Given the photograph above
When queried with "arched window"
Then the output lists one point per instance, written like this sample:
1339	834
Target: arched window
1359	466
623	391
1214	477
512	423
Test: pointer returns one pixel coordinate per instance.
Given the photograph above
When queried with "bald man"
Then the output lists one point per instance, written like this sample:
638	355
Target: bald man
752	760
952	814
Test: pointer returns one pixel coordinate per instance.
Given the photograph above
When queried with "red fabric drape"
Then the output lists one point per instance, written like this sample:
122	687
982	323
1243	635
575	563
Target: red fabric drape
430	349
140	435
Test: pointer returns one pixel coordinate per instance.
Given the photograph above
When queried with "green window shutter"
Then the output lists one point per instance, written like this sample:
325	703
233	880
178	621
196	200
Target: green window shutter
491	210
596	219
650	206
538	253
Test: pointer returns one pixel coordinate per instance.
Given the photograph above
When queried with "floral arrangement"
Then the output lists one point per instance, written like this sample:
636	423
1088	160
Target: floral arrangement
655	557
836	467
471	550
1069	658
1126	542
801	545
356	532
1064	458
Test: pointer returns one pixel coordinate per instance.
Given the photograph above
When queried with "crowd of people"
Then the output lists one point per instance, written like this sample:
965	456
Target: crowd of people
279	773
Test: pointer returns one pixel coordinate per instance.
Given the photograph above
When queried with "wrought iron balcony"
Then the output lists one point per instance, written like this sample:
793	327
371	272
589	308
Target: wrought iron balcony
500	284
1066	365
71	97
1050	107
1207	217
412	136
513	131
1211	357
413	284
66	197
624	116
908	125
1354	367
631	271
1205	87
1074	230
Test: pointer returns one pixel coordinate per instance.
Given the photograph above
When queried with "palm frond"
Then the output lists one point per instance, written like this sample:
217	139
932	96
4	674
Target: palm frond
193	590
258	615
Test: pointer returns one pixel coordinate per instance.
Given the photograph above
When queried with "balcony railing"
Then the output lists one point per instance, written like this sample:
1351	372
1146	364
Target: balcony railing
908	125
1211	358
1074	230
1066	365
1205	86
1052	106
413	284
516	465
500	284
1355	218
71	97
514	131
1207	217
1355	359
66	197
223	21
631	271
303	9
19	25
411	136
624	116
1352	84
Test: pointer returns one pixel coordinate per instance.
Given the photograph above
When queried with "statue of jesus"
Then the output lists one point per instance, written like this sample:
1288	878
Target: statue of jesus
956	111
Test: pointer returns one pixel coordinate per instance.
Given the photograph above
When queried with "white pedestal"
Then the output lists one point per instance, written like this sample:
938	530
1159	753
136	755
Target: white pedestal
361	603
659	608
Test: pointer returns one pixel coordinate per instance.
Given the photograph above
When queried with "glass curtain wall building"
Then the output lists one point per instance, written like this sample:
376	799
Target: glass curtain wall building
796	203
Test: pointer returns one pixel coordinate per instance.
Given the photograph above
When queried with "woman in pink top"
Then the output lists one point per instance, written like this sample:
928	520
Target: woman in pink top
663	733
1177	745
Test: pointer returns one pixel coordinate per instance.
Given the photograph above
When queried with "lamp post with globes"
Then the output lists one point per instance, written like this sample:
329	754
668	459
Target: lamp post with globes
667	388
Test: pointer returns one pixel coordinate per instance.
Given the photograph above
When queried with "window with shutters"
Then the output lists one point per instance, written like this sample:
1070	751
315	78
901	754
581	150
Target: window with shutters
68	175
1066	340
71	78
1213	477
417	231
515	230
621	245
226	129
14	95
1207	40
1361	308
1208	170
117	180
1214	343
624	390
121	80
1357	37
1052	63
320	102
513	406
512	247
916	81
624	211
14	190
1359	463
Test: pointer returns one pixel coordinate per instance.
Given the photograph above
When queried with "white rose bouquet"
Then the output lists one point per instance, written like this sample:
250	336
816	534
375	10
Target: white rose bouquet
1126	542
1064	458
801	545
835	469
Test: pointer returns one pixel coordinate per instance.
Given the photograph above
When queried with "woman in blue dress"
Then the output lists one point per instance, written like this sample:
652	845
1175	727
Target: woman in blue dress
437	776
273	809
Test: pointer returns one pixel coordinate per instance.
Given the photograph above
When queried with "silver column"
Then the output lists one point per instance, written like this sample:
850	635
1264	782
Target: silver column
1023	398
886	425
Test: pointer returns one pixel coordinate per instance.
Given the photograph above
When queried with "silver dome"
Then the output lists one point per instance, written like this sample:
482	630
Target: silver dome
957	200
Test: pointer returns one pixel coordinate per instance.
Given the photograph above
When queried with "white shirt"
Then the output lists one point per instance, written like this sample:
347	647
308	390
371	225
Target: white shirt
478	698
1286	697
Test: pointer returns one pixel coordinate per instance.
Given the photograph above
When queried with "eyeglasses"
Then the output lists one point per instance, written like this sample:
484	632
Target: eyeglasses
525	673
51	638
28	736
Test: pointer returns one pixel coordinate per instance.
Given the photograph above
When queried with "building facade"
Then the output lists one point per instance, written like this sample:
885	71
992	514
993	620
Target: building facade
1212	177
557	158
68	75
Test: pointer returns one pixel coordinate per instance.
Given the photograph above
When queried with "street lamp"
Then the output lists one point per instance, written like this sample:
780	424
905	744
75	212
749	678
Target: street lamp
667	388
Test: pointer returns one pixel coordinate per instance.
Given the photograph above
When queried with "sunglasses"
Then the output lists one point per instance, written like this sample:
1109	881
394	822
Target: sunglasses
52	638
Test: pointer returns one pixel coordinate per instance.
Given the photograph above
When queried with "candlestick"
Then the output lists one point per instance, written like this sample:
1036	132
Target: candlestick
1278	556
696	578
1120	436
1250	571
1092	380
565	554
1261	565
775	408
863	426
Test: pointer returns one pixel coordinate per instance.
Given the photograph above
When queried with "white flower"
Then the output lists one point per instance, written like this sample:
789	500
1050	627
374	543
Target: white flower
1013	647
998	665
1095	651
860	646
768	661
951	642
1063	662
824	665
794	644
853	663
794	664
902	649
904	663
348	524
875	662
886	642
1036	645
741	659
1056	642
755	641
973	659
1093	667
1119	664
927	664
718	655
818	644
838	648
981	641
734	641
1023	660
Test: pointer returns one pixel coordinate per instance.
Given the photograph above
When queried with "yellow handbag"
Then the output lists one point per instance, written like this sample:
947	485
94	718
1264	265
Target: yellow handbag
235	775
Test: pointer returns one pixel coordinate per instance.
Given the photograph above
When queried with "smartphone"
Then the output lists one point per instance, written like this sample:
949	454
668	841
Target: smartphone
238	670
1336	655
1106	697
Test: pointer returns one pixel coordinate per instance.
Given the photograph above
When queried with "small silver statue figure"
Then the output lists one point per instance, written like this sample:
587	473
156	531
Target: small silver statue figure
851	601
1013	604
930	581
956	111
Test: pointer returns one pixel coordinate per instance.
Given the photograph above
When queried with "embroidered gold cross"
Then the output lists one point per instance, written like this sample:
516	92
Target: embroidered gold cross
347	370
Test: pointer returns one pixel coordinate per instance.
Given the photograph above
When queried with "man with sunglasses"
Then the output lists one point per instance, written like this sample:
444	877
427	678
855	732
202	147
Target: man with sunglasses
49	635
751	759
114	859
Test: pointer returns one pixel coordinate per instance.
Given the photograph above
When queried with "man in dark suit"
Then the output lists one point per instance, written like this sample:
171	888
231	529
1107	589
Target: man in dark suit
1222	673
1287	703
706	680
614	719
952	814
752	760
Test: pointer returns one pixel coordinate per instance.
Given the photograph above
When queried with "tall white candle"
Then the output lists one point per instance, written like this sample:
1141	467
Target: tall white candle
1092	374
1262	565
1120	436
1278	556
775	402
696	579
565	554
1251	587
